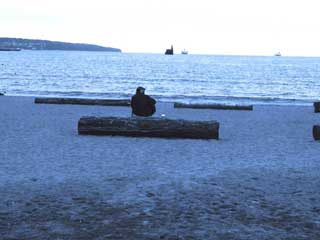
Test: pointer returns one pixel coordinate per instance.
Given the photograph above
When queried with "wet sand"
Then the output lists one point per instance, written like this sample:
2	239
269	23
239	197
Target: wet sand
261	180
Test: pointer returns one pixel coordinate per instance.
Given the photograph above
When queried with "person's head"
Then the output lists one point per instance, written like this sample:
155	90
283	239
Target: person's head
140	90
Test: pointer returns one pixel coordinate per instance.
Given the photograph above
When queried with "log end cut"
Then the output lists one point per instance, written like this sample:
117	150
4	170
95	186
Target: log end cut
316	107
316	132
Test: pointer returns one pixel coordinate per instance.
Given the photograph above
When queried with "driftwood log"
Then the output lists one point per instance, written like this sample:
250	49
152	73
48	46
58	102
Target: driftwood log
83	101
148	127
316	132
316	107
214	106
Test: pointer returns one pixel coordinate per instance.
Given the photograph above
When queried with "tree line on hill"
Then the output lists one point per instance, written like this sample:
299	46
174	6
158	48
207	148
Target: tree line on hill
35	44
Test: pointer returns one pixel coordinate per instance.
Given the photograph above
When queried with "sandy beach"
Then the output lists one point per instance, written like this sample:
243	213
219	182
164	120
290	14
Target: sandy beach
261	180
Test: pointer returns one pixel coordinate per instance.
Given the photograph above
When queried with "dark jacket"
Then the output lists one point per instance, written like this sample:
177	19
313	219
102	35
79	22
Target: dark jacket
143	105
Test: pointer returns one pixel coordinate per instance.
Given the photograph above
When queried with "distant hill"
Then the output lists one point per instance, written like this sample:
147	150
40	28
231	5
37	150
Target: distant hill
32	44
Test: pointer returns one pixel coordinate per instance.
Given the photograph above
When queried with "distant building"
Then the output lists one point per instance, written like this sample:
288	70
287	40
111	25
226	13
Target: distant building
169	51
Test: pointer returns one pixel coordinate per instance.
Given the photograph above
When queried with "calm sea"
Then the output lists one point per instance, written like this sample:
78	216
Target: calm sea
187	78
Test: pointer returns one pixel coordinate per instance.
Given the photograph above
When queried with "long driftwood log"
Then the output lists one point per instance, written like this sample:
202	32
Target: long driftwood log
316	132
83	101
316	107
148	127
214	106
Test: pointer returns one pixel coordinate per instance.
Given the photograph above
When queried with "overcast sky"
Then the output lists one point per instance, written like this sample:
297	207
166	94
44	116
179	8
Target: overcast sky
249	27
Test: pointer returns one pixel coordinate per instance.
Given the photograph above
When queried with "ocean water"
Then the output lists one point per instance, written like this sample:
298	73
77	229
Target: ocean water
186	78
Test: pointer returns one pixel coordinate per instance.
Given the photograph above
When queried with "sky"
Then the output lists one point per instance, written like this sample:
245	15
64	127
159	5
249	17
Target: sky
237	27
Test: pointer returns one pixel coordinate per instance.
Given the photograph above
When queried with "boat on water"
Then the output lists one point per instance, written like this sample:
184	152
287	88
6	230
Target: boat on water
184	52
10	49
169	51
278	54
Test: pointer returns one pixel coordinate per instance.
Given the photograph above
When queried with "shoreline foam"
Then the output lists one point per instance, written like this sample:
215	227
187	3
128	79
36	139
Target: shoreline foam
183	99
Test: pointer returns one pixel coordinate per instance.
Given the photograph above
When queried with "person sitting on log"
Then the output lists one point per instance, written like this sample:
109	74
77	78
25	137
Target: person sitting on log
142	105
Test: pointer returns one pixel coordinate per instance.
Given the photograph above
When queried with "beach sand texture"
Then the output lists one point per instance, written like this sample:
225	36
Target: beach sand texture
261	180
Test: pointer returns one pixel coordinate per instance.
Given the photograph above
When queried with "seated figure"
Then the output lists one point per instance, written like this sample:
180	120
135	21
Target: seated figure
142	105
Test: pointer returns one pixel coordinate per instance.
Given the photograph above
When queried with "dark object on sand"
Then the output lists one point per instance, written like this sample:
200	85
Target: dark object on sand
316	132
83	101
169	51
316	107
214	106
148	127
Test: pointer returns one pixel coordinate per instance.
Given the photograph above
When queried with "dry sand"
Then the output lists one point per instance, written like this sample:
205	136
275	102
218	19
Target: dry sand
261	180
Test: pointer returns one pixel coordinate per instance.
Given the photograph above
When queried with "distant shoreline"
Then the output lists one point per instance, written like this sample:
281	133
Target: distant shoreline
36	44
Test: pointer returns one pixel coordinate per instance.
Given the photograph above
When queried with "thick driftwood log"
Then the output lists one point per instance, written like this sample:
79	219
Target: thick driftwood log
148	127
83	101
316	132
316	107
214	106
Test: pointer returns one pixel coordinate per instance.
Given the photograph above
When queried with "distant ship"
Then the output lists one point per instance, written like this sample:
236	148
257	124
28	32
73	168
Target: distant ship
184	52
278	54
169	51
